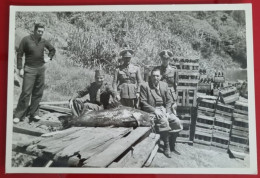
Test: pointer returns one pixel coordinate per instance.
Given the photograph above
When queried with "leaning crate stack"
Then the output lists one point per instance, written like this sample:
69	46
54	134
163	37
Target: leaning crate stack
205	83
187	87
204	122
239	141
222	126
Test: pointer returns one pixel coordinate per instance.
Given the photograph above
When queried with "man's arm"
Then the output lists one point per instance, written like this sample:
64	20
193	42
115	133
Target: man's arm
81	93
51	49
139	79
143	99
111	91
169	100
115	84
20	53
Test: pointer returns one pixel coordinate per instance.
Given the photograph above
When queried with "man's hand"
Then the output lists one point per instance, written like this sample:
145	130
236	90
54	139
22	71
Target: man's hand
47	59
137	95
159	113
118	97
174	108
21	72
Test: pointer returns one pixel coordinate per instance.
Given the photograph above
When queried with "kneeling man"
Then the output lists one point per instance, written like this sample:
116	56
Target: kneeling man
99	94
155	98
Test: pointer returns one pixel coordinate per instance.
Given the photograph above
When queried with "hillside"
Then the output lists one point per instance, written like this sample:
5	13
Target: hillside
87	40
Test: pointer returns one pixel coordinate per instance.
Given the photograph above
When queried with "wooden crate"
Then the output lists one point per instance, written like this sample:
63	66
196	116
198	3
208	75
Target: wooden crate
228	95
239	143
241	108
222	124
204	121
207	107
220	139
224	109
240	124
203	136
186	96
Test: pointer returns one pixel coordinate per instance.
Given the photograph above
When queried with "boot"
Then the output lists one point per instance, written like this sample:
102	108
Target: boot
165	138
172	139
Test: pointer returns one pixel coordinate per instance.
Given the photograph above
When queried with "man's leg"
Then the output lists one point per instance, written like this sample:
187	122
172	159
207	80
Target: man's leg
24	100
165	137
128	102
176	127
92	106
37	92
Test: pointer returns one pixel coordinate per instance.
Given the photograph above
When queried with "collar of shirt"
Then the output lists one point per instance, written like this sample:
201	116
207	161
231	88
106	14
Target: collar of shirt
34	39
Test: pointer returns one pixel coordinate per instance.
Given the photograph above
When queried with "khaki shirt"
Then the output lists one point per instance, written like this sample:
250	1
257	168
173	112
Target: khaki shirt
169	75
98	94
127	80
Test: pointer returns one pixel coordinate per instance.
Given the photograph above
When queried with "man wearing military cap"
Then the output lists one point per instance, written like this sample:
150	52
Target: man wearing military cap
99	94
127	80
169	75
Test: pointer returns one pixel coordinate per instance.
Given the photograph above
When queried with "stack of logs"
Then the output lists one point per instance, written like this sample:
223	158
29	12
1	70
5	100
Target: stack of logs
86	146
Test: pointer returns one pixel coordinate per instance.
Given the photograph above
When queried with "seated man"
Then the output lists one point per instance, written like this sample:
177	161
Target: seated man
155	98
99	95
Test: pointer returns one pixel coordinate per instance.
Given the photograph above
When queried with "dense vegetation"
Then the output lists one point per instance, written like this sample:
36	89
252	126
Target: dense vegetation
93	39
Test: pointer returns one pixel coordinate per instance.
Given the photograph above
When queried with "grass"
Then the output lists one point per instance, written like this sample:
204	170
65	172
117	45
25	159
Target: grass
63	79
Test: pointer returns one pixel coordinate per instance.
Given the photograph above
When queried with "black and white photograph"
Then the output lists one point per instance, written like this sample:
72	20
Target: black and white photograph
131	89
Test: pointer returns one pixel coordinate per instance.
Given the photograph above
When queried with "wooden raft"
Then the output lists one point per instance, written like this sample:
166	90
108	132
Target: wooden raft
93	147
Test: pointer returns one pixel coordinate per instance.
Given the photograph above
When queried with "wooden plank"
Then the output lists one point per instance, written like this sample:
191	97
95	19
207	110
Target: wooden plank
61	133
29	131
20	141
151	157
106	157
56	109
86	147
137	157
236	115
238	154
54	102
202	142
53	146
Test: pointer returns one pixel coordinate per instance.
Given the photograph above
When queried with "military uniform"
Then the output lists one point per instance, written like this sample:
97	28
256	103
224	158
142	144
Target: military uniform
127	80
169	75
98	96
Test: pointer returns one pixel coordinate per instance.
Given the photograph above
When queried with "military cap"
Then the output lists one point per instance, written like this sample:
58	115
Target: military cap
126	53
99	72
165	54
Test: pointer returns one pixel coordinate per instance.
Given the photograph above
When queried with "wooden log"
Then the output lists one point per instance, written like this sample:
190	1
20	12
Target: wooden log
56	145
92	142
29	131
61	133
107	156
20	141
54	102
51	119
152	155
56	109
137	157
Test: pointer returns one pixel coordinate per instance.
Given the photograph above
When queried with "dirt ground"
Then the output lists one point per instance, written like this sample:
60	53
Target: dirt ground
193	157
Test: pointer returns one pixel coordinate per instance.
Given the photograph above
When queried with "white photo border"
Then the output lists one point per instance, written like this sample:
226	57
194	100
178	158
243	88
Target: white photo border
252	169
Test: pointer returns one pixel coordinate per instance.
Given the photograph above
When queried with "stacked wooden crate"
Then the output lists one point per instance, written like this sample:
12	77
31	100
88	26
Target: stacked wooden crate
205	83
228	95
239	141
184	114
187	86
222	126
204	122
